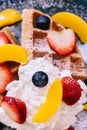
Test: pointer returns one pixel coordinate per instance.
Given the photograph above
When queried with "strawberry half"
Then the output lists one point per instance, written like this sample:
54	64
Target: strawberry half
71	90
5	77
3	38
15	108
63	42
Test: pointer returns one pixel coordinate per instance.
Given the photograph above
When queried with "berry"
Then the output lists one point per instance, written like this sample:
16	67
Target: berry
15	108
6	77
43	22
70	128
71	90
40	79
3	38
63	42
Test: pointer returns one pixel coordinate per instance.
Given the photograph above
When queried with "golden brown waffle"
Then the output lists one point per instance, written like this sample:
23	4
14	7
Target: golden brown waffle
10	35
35	41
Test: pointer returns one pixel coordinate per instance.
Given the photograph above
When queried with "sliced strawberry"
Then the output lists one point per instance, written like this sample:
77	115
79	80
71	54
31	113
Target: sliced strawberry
71	90
63	42
3	38
15	108
5	77
70	128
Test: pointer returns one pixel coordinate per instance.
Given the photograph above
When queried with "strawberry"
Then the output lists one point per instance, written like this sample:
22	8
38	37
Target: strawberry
15	108
3	38
5	77
70	128
63	42
71	90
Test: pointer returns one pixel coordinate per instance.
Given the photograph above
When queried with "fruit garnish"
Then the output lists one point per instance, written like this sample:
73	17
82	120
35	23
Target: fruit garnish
63	42
71	90
9	16
73	21
3	38
51	104
40	79
12	52
15	108
43	22
85	106
5	77
70	128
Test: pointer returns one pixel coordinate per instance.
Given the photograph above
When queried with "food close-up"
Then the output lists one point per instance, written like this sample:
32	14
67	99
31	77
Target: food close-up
43	65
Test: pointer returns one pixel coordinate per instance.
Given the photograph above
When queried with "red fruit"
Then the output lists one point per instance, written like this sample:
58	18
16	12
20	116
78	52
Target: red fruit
63	42
3	38
5	77
15	108
71	90
70	128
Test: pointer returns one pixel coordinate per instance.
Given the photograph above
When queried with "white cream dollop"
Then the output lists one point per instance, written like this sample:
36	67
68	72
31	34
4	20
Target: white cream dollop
34	98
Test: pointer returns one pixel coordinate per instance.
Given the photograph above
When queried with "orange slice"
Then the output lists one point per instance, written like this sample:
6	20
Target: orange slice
9	16
12	52
77	24
51	104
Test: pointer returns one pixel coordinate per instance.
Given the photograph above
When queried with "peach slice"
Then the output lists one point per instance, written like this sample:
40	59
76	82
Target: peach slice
12	52
51	104
85	106
9	16
74	22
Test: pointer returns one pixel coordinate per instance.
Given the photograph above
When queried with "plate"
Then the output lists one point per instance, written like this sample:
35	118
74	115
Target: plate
50	7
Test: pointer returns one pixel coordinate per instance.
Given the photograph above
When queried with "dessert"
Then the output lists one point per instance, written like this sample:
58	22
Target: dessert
35	97
47	89
35	41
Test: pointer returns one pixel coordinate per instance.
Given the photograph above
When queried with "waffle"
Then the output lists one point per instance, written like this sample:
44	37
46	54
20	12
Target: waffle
35	41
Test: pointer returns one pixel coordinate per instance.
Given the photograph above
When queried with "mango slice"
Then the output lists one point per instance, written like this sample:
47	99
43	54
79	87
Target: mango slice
9	16
85	106
51	104
12	52
74	22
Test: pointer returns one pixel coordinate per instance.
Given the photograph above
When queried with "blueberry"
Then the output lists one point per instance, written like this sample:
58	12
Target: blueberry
43	22
40	79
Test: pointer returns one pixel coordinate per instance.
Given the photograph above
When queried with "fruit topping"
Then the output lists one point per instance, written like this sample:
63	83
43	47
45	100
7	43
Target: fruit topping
9	16
51	104
3	38
63	42
43	22
15	108
5	77
12	52
71	90
70	128
40	79
77	24
85	106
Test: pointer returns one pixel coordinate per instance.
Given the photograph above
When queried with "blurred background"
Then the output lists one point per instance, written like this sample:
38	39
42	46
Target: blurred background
49	6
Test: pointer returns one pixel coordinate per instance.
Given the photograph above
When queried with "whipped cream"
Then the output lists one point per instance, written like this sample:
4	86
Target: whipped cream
34	97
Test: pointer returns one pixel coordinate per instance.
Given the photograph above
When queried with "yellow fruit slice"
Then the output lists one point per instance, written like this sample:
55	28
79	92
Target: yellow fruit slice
51	104
85	106
77	24
12	52
9	16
